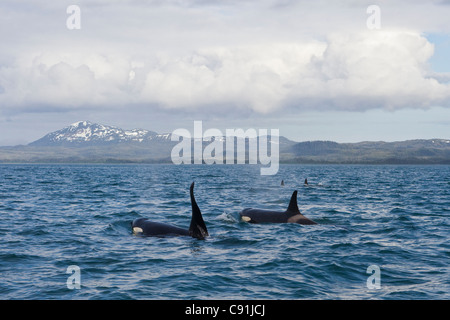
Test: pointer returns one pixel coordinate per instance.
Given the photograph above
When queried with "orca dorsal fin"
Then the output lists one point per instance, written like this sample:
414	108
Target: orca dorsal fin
197	229
293	207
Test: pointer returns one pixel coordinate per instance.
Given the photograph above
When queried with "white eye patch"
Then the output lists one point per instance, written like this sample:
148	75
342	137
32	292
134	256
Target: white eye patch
137	230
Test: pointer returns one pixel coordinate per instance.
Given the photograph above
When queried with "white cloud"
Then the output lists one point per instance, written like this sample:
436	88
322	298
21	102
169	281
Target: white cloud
382	69
249	56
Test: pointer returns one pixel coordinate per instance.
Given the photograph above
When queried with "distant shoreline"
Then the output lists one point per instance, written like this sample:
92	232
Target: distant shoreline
112	145
223	164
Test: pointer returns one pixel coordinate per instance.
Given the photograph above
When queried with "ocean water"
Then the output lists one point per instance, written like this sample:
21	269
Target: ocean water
391	219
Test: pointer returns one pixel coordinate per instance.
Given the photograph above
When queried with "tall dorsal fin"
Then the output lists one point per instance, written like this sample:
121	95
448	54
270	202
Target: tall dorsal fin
293	207
197	229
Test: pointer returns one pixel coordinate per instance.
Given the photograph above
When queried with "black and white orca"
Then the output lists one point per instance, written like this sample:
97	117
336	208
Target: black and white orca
197	228
291	215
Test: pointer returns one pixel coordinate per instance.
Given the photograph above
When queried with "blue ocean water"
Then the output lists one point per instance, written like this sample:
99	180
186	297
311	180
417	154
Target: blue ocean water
395	218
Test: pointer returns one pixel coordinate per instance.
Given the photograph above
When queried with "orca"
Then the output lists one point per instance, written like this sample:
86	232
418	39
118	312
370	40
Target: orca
197	228
291	215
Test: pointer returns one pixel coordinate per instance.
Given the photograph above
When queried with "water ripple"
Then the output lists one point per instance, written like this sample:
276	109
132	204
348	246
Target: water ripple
55	216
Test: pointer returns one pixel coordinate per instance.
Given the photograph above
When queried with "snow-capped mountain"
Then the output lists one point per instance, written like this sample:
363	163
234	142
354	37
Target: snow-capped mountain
87	142
88	133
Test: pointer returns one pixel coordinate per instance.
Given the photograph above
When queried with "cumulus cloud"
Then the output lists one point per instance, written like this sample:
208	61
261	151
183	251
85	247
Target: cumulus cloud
246	56
62	82
384	69
255	77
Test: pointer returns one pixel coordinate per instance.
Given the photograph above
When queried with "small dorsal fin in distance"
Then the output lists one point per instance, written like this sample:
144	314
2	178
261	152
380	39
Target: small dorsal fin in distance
293	207
197	229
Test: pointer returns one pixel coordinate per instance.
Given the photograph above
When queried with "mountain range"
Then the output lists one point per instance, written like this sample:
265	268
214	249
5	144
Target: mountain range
87	142
85	133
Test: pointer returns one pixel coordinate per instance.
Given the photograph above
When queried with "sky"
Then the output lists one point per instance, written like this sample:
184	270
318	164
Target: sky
342	70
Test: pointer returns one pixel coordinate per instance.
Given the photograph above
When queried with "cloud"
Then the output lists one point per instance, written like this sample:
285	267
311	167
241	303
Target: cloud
210	57
383	69
255	77
62	82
